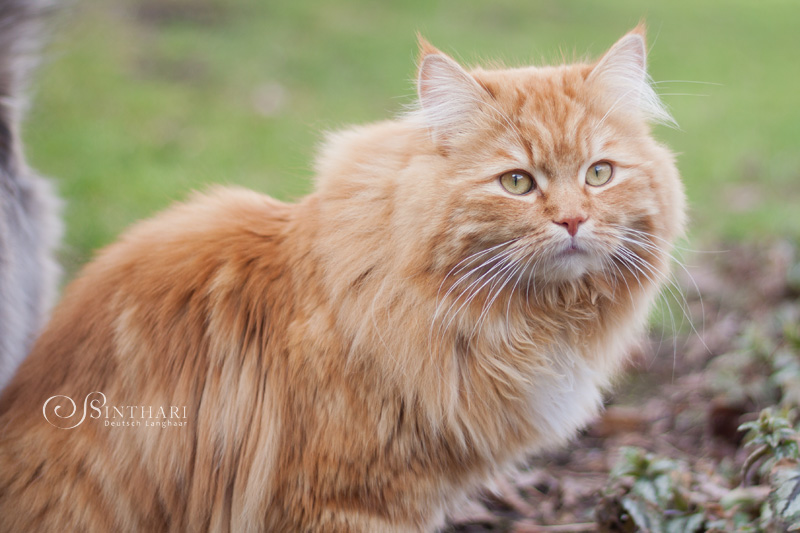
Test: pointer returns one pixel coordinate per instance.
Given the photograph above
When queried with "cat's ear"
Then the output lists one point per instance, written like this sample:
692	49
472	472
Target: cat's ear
622	74
449	97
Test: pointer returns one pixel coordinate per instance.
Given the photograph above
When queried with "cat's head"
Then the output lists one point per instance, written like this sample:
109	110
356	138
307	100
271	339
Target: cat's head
553	168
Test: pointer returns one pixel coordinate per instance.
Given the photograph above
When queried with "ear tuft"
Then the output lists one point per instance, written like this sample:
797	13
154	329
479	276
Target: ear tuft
622	73
425	48
449	97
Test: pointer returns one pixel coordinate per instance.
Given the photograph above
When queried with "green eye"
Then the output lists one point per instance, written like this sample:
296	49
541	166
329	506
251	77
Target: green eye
599	173
517	182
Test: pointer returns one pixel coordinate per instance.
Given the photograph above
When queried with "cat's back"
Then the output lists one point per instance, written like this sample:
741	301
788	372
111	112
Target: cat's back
170	306
179	271
216	223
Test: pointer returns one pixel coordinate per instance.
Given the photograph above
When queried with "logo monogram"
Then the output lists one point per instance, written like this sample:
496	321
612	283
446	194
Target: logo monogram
94	404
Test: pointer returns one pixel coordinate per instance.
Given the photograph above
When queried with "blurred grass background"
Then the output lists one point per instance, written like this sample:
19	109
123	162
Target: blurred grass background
141	101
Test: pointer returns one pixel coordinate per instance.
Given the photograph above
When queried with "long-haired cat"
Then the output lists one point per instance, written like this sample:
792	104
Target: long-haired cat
457	291
29	222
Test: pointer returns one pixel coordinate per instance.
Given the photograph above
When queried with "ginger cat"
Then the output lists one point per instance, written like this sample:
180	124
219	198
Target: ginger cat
456	293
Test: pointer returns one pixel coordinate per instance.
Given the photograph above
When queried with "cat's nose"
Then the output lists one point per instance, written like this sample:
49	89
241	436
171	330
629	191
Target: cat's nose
571	224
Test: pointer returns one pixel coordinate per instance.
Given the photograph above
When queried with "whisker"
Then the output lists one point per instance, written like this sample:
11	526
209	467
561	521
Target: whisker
683	303
474	291
441	300
687	81
516	284
648	244
492	298
631	259
686	270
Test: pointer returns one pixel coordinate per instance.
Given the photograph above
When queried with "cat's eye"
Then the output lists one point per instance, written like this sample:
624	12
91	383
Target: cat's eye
517	182
599	173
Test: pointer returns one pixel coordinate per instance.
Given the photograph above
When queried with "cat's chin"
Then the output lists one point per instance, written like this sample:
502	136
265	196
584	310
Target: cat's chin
569	269
571	264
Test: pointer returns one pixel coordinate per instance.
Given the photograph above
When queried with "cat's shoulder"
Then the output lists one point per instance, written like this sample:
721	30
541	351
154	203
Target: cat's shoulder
209	228
216	211
381	147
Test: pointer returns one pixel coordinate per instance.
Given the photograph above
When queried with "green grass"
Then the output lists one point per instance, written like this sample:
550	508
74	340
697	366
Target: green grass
133	110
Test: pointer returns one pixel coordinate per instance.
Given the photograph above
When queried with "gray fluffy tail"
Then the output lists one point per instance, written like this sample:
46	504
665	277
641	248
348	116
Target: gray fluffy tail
29	223
21	29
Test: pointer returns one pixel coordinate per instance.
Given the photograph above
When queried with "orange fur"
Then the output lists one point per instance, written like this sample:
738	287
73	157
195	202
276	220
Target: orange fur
360	360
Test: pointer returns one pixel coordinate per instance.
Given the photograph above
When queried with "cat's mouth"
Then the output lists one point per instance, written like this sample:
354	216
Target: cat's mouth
572	248
572	260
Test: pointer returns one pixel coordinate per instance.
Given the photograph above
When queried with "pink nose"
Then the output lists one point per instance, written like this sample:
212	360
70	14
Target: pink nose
571	224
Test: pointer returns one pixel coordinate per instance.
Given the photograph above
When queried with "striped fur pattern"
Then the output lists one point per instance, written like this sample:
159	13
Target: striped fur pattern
362	359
